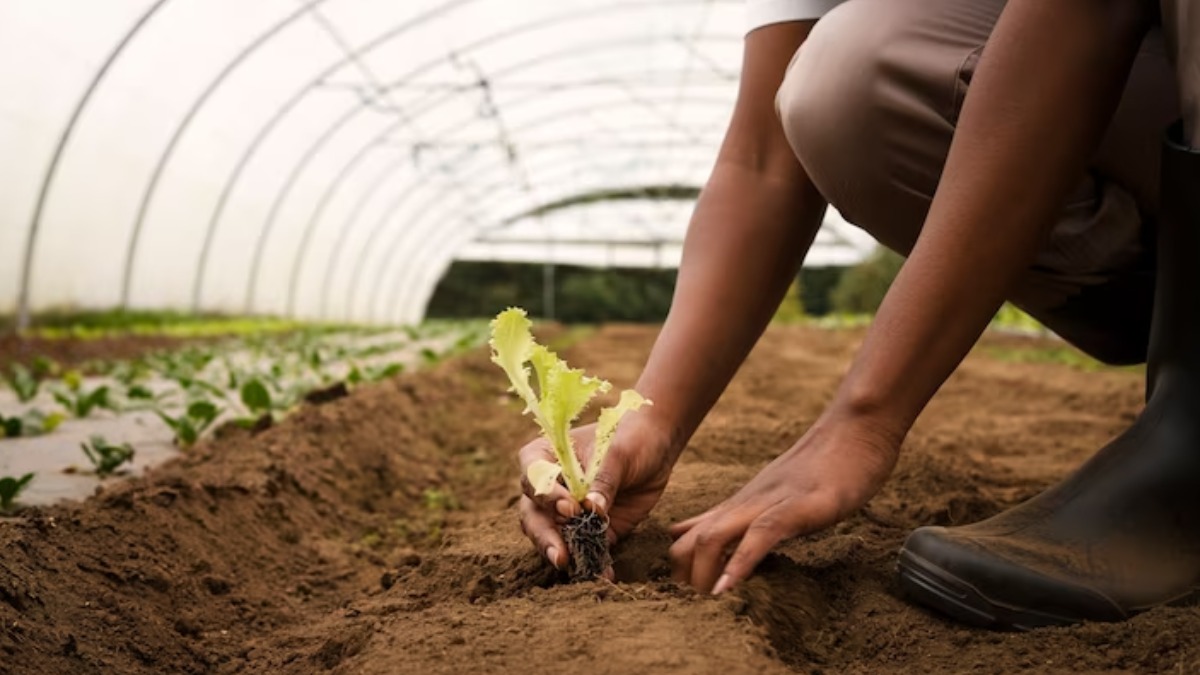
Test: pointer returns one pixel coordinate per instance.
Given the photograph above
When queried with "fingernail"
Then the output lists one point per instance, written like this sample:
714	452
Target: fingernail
564	508
552	556
599	503
723	585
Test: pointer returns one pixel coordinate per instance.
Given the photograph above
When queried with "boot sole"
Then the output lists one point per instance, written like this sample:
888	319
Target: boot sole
934	587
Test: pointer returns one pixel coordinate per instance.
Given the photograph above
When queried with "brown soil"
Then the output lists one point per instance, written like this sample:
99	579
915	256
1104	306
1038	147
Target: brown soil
376	534
74	353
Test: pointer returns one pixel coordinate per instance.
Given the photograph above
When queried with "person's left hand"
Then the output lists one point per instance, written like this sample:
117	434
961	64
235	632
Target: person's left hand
825	477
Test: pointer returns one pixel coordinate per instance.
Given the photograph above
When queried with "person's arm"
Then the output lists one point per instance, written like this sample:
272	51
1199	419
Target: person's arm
1046	87
755	220
1047	84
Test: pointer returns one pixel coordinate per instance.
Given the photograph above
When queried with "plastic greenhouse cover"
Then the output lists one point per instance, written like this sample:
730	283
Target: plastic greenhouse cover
329	158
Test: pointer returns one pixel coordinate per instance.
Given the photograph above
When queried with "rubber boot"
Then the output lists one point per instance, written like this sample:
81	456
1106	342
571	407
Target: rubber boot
1122	534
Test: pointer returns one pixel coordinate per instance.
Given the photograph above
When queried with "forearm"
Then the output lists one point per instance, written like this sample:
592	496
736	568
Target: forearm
743	248
755	219
1046	86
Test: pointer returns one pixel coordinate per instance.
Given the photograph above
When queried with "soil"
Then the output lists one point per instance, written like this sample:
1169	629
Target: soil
376	533
70	353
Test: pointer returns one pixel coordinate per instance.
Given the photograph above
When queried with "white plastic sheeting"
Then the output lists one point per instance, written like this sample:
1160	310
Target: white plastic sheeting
329	158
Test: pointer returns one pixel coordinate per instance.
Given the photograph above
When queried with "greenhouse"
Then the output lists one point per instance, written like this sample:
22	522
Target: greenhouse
327	160
664	336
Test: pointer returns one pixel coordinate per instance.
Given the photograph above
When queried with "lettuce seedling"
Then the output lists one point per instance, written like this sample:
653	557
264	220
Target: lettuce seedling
562	394
191	424
10	487
23	383
80	403
106	457
33	423
360	374
257	398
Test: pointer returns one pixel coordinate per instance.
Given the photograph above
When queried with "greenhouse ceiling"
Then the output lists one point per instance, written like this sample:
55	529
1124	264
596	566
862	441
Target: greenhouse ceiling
328	159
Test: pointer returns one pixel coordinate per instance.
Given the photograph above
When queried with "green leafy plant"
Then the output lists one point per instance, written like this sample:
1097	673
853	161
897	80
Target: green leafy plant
11	488
360	374
562	394
33	423
81	403
106	457
129	373
189	426
23	383
44	366
256	397
11	427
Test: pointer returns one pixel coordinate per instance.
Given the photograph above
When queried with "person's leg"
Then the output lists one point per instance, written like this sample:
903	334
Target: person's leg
870	105
1121	534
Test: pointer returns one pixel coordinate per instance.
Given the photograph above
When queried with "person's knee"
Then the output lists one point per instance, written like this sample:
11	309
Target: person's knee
827	99
860	103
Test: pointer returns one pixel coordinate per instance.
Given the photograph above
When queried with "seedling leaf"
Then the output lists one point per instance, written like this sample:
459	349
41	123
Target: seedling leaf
203	410
543	475
10	427
606	427
256	397
10	487
562	394
106	457
23	383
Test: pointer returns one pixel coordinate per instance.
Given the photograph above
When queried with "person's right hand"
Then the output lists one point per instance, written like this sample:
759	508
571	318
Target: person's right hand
630	482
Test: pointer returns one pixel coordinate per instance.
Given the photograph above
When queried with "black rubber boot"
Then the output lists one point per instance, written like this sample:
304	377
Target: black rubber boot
1122	534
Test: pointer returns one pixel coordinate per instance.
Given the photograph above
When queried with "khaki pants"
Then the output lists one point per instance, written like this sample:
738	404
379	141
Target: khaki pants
870	103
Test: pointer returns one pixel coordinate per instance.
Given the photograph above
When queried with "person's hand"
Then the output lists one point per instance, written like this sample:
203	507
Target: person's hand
828	475
628	485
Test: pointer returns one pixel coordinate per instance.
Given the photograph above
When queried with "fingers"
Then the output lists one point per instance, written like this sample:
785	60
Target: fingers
681	528
698	557
604	489
542	530
762	535
558	500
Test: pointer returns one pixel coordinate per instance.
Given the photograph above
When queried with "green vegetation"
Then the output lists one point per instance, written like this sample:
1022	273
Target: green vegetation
80	402
862	288
99	324
581	295
257	398
791	310
361	374
1014	318
11	488
562	394
22	382
106	457
251	377
816	288
33	422
1060	354
189	426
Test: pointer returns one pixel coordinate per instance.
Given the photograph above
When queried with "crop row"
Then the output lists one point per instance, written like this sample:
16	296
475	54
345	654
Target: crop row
251	381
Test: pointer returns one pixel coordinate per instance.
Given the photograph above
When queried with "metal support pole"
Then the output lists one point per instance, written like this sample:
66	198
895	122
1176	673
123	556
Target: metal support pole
548	291
23	310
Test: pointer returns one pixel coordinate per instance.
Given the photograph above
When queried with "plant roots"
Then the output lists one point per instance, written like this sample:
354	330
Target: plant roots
586	536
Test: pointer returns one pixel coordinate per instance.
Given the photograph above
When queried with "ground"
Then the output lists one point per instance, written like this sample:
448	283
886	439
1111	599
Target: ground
376	534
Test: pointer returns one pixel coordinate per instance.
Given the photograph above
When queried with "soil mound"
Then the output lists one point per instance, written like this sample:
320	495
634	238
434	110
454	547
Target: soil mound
375	533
